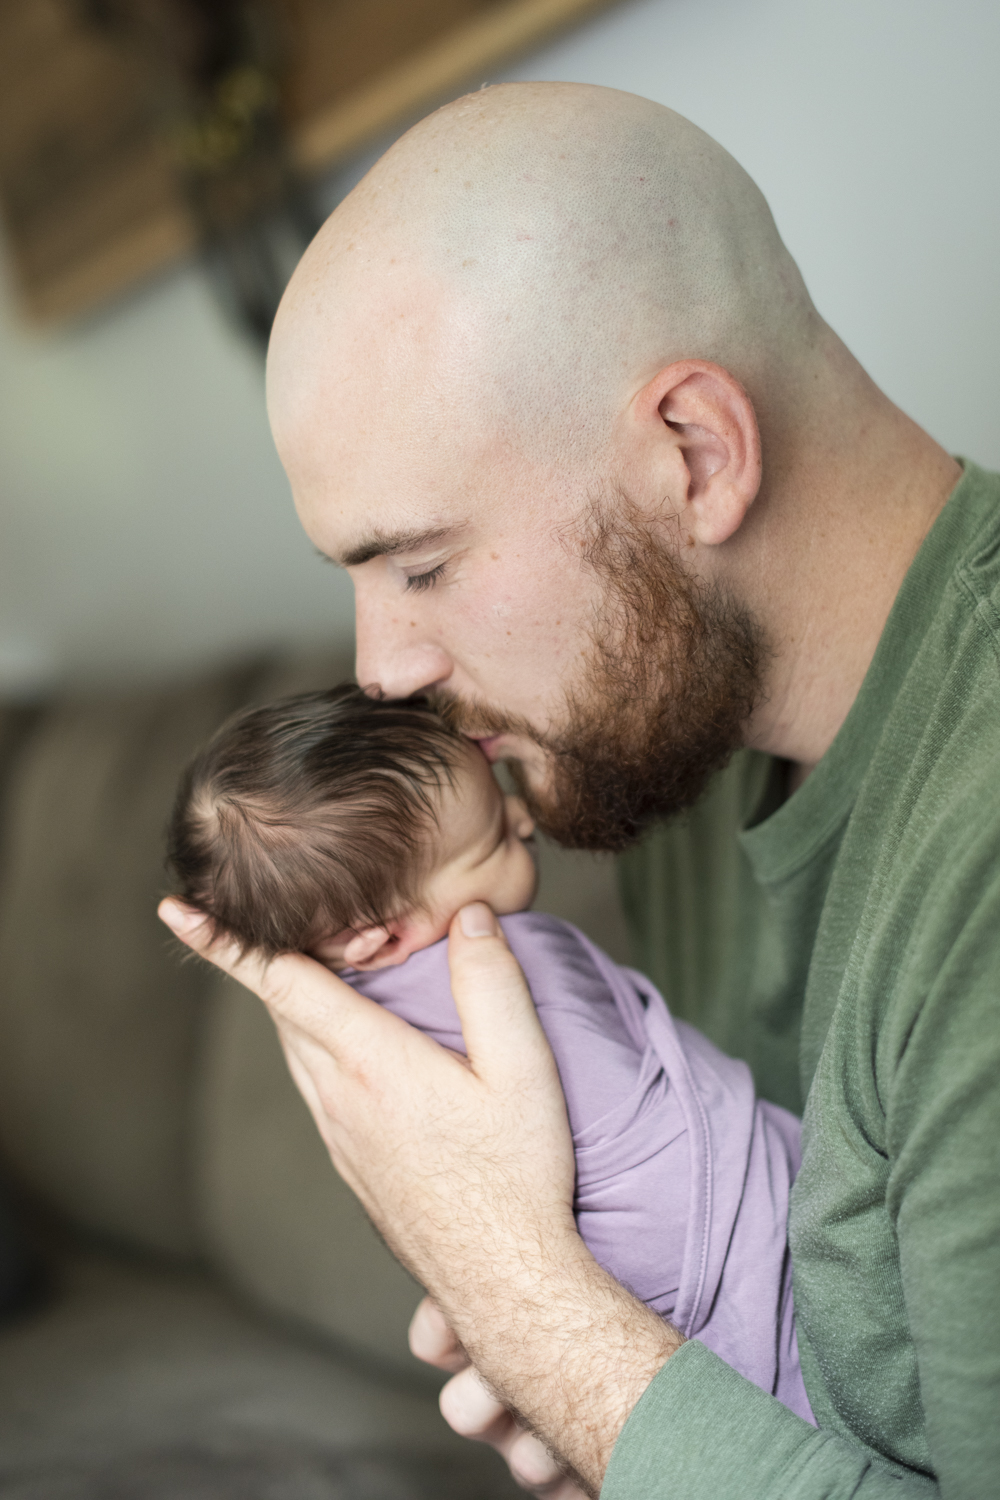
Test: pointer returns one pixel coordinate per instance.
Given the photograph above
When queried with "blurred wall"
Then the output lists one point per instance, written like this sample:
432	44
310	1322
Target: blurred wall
145	523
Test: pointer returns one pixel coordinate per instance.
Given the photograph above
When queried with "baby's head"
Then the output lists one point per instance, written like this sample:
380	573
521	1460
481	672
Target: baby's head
335	825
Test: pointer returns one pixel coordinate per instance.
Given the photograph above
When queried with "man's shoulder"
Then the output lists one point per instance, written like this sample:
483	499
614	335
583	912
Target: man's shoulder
934	775
964	631
979	494
931	784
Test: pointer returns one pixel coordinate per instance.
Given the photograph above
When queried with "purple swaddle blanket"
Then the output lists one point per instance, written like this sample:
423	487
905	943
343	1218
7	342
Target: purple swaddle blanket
682	1175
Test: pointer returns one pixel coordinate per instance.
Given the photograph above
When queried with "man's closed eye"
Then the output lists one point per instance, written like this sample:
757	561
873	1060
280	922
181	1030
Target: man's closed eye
426	580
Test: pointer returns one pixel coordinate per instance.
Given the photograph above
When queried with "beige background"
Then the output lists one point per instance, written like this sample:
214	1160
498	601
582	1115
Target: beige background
144	521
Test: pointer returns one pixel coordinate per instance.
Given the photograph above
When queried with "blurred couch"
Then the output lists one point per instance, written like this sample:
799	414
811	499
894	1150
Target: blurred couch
216	1316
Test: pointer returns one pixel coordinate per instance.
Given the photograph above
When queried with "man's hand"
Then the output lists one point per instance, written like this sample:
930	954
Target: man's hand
466	1167
471	1409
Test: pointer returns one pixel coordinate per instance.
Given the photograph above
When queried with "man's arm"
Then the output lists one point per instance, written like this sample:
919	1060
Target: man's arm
472	1410
712	1433
466	1167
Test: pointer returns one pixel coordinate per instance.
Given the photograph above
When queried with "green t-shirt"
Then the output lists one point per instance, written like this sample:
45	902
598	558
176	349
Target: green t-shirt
846	941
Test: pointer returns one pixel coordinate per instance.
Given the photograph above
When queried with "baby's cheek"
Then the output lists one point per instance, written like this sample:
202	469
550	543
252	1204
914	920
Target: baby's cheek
518	883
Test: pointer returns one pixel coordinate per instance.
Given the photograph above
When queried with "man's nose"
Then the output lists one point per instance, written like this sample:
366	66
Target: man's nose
393	661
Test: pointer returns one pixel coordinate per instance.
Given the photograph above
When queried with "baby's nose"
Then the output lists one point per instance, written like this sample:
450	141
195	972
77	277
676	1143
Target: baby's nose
519	819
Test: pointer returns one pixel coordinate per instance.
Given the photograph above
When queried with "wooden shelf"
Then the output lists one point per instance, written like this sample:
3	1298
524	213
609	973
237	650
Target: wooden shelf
88	192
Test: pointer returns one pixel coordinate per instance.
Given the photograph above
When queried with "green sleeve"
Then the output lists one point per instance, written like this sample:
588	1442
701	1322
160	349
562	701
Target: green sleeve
701	1430
943	1193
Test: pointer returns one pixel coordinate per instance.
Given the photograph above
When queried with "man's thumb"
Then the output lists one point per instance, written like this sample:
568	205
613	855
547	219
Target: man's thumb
501	1029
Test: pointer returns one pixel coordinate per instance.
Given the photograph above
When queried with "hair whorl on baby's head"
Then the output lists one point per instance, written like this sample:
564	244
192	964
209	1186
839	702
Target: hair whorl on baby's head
310	816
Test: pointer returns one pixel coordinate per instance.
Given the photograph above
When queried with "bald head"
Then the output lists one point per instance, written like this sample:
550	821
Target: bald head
530	255
551	320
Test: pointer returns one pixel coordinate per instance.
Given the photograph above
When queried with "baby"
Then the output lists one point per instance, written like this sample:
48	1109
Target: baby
353	830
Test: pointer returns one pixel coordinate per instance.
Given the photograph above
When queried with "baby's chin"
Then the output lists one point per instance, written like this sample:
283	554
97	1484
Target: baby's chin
414	936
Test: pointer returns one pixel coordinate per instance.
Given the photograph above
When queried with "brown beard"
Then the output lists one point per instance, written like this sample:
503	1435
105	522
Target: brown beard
673	675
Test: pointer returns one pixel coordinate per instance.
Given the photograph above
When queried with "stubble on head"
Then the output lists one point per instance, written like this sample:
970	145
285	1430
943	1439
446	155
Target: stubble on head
542	250
672	676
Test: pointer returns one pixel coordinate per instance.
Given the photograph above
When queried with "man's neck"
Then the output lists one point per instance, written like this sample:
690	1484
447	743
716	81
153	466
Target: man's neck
827	555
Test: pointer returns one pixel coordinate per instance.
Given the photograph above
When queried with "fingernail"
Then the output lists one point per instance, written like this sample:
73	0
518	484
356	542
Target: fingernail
180	919
477	920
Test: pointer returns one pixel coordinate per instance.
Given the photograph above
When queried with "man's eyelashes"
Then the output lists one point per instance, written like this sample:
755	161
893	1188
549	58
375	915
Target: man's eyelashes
426	580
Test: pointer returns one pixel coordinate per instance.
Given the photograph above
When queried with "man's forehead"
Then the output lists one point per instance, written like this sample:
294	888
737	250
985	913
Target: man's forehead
397	478
380	496
390	442
347	332
377	439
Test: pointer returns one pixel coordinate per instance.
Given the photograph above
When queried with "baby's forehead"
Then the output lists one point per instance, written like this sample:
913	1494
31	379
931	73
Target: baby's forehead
467	800
472	777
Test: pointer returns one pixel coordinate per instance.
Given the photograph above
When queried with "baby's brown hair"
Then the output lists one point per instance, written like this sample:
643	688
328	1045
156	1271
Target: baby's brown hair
310	816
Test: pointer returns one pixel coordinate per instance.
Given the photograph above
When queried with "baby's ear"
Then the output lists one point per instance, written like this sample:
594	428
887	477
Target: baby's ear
393	943
366	944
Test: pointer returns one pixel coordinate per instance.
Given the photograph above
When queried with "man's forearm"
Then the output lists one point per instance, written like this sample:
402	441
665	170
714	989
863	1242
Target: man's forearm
568	1349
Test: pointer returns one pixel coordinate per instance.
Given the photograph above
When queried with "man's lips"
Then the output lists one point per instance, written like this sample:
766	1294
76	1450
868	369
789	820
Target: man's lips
508	745
487	744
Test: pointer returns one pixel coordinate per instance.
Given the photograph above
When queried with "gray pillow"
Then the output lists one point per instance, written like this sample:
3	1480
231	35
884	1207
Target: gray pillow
19	1268
269	1471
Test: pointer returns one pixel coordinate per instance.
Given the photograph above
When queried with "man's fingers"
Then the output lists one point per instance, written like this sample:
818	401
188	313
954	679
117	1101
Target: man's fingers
269	979
498	1018
195	930
432	1339
472	1410
533	1468
293	986
509	1052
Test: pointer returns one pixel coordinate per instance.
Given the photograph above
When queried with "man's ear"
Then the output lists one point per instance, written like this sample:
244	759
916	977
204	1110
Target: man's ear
715	433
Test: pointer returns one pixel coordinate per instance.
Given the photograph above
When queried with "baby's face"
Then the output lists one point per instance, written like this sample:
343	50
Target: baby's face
480	852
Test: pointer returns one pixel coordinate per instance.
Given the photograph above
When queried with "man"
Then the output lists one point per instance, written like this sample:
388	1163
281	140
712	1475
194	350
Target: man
552	389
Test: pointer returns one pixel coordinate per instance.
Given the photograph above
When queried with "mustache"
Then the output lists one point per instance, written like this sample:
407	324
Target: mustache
478	719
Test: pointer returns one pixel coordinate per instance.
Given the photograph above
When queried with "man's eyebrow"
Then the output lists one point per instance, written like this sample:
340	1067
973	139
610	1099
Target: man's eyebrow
388	543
